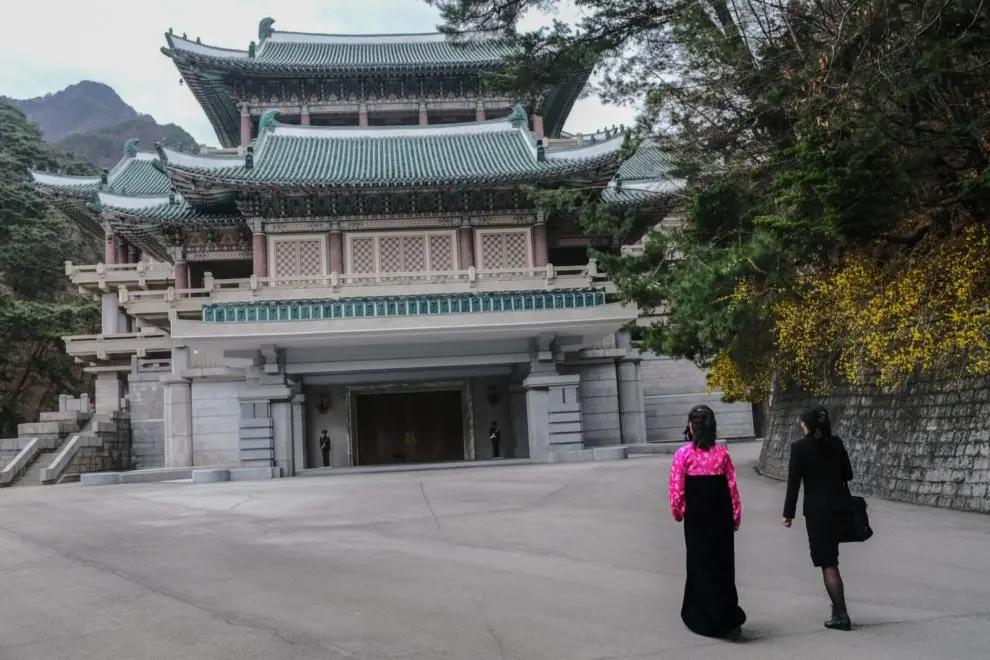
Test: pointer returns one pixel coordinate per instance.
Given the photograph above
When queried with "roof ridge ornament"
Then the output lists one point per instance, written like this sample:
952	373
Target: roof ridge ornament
104	176
162	156
251	50
131	148
267	122
265	28
518	117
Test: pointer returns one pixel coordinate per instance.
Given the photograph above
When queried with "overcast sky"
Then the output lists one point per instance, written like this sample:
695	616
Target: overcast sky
49	44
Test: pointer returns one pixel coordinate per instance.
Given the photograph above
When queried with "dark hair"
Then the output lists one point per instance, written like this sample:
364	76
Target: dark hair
703	420
818	423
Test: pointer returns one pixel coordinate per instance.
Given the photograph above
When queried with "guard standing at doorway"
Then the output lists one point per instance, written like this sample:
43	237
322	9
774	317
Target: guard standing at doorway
325	448
495	436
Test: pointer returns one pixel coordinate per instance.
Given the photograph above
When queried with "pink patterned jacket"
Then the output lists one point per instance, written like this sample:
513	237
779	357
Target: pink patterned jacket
689	461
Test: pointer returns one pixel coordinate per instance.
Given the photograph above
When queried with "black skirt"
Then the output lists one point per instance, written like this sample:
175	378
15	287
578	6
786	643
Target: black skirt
711	604
823	537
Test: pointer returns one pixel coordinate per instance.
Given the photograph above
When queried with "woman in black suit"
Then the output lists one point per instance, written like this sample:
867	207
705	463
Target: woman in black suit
819	459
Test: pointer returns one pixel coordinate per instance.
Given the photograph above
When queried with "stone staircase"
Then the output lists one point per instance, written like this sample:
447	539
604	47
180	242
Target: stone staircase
31	476
52	430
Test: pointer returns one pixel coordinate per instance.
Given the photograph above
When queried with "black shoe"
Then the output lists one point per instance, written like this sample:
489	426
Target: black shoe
838	622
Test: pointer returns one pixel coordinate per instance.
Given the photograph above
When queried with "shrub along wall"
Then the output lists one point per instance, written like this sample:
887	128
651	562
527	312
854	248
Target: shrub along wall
926	444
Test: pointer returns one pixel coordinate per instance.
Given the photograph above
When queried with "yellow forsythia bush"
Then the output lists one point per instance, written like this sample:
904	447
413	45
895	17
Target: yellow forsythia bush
882	321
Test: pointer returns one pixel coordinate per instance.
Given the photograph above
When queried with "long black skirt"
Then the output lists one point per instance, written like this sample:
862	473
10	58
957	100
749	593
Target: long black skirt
711	604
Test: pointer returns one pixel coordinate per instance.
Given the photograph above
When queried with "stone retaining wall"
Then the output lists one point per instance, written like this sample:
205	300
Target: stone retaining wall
927	444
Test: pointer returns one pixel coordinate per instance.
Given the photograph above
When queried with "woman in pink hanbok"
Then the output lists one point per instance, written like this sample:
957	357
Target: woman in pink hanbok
704	495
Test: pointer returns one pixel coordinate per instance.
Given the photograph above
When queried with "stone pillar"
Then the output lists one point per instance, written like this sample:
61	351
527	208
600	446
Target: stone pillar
553	415
245	125
424	115
282	436
298	434
538	125
632	405
259	253
465	236
304	116
335	250
181	274
363	114
540	244
108	393
110	316
109	248
178	421
479	111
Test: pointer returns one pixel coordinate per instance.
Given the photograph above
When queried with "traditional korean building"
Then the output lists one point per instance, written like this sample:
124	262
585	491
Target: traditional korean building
361	262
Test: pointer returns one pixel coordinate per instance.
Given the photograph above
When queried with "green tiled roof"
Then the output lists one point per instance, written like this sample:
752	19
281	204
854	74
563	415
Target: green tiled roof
397	306
285	52
132	175
646	176
159	208
647	162
137	176
453	154
83	186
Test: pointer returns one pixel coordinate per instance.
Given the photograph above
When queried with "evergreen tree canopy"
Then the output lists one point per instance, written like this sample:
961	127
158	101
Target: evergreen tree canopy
36	308
805	129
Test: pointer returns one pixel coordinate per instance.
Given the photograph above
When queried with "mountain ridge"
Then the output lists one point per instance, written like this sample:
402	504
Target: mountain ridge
90	120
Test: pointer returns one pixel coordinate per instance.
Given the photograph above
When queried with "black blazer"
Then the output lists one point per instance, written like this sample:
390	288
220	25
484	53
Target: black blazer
824	468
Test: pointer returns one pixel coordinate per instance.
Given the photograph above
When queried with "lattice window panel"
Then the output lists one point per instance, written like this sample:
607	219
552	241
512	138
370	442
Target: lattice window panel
492	253
390	251
504	250
363	255
310	257
516	250
441	253
414	254
402	253
286	259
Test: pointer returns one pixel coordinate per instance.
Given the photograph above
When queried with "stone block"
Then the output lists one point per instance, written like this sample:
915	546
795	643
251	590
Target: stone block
210	475
609	453
99	478
574	456
254	473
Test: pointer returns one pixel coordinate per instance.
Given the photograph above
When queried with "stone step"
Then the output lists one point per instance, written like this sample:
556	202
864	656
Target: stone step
34	429
56	416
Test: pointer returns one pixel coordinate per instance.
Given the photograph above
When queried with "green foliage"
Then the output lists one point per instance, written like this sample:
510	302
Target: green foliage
35	307
803	130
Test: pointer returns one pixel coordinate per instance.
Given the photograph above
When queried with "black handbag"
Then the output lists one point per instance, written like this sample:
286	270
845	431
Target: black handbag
854	524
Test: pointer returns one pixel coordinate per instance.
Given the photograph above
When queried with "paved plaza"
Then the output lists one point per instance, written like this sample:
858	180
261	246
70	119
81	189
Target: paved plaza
543	561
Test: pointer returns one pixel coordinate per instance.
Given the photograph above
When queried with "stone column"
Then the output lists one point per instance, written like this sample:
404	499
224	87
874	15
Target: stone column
109	247
298	433
108	393
121	247
632	406
245	125
465	236
479	111
538	125
540	244
110	315
362	114
178	421
335	250
259	252
181	274
424	115
553	415
304	116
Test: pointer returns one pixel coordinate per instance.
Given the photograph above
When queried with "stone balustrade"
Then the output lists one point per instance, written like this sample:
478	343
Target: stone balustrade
101	278
188	303
109	346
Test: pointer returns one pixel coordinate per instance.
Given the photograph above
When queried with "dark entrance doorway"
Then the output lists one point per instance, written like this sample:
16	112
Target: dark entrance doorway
409	427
